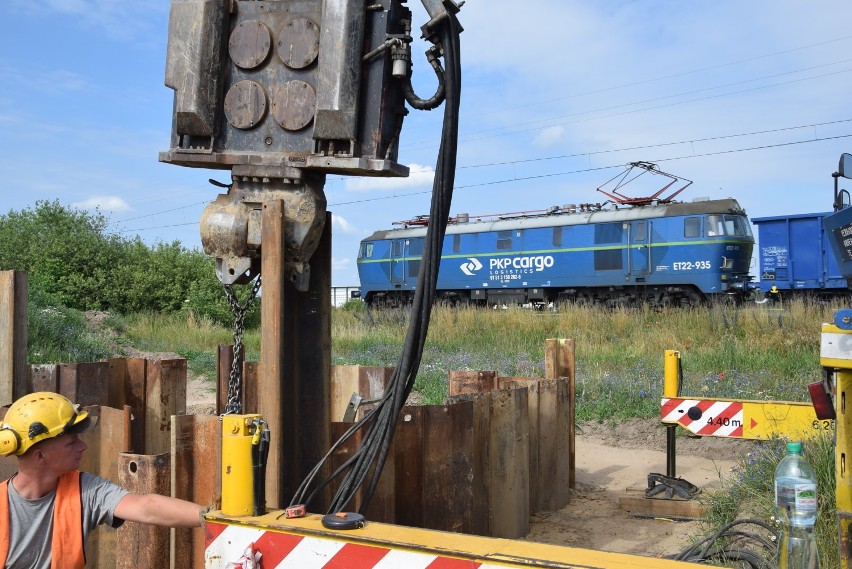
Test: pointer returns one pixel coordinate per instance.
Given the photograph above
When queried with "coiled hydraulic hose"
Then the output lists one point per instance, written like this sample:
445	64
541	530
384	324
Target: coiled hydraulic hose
735	546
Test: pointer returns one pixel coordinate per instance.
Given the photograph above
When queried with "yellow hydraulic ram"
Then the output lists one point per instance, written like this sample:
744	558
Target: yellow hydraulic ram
245	445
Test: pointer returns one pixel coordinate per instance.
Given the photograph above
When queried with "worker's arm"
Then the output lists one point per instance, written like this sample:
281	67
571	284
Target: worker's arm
159	510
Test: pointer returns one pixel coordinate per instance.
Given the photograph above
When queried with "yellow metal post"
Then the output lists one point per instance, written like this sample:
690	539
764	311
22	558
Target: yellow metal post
671	377
237	486
836	355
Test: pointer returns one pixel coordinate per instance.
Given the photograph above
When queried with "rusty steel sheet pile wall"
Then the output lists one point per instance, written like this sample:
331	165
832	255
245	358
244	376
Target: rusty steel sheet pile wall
478	464
497	450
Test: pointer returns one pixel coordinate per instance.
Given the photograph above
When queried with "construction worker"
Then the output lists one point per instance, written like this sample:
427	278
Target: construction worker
773	295
48	508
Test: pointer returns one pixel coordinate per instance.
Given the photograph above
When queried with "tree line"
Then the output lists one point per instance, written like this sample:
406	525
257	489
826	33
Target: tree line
73	260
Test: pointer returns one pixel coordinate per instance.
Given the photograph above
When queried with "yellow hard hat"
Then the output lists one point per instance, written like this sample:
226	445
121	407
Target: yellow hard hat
773	289
39	416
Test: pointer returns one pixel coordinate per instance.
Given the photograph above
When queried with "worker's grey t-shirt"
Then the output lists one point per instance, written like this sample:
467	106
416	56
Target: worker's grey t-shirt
31	521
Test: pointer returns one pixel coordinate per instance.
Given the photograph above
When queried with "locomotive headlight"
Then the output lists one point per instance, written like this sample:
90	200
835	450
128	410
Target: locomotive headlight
727	263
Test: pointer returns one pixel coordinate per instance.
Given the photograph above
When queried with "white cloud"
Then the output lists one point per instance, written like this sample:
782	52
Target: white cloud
103	203
339	222
418	177
549	136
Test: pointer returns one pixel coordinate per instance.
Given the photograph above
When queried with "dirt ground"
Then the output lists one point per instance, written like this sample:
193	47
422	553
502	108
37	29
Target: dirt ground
609	461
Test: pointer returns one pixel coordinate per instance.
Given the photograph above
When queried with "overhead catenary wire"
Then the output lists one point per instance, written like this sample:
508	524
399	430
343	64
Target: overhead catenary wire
568	172
366	463
593	169
659	144
661	77
561	120
142	194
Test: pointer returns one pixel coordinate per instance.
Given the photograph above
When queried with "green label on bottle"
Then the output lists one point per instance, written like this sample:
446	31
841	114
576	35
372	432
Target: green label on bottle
806	497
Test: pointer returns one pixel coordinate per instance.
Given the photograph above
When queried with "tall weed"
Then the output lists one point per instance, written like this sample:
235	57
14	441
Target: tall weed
748	352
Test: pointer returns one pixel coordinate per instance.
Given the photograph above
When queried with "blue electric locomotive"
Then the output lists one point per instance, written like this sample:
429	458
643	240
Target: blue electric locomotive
663	253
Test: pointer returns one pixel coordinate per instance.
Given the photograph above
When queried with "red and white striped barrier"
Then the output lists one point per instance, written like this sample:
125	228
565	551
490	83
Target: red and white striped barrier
228	543
705	417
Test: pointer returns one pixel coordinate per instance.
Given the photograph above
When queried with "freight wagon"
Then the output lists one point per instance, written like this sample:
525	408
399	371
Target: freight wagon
664	253
794	254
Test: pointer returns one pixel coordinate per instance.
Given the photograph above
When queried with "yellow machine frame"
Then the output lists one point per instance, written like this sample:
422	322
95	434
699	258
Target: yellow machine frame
836	358
287	543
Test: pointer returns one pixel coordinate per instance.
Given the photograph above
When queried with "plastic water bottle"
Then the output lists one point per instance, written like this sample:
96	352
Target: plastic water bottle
796	508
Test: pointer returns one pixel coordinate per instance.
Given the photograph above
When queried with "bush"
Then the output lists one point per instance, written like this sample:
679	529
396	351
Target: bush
68	254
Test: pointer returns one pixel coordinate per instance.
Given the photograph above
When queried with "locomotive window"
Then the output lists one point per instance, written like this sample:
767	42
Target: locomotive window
715	226
368	250
609	233
608	260
396	249
415	247
640	231
557	236
413	268
692	227
504	240
737	225
456	243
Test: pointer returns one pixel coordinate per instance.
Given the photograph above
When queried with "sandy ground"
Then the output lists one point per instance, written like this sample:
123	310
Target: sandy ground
610	460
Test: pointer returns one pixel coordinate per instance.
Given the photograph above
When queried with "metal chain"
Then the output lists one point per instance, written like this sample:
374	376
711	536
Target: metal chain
234	404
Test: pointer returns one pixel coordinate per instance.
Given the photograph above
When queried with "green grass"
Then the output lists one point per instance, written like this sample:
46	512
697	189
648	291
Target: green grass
59	334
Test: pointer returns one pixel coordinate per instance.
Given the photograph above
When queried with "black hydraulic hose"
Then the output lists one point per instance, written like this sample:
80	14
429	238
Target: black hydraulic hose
380	421
435	100
442	193
704	550
259	456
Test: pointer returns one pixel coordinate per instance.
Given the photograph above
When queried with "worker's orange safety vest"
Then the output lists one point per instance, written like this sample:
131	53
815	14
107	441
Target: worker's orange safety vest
66	545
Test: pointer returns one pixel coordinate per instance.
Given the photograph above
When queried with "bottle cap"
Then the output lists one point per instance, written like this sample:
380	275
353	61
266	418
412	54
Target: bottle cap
794	447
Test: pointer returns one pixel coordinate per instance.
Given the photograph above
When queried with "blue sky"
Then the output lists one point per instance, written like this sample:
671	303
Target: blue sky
748	99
